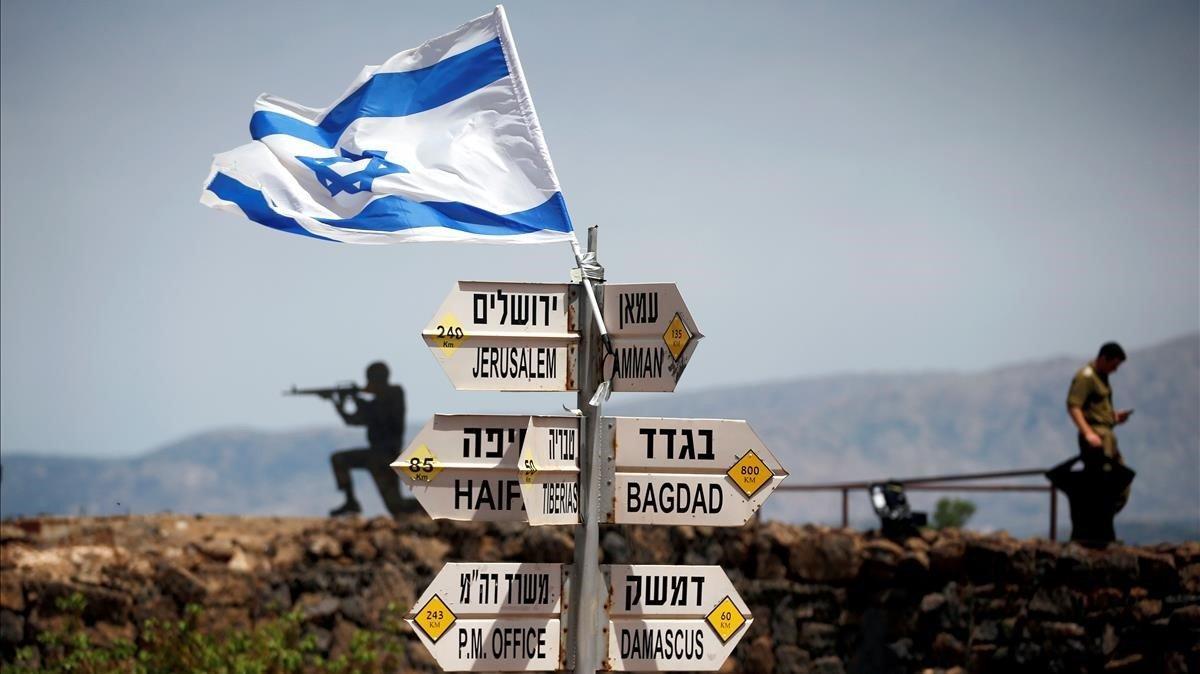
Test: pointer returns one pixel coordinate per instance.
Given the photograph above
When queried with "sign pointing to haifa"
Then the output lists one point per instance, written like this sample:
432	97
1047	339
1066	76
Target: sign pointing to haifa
497	336
466	467
715	472
492	617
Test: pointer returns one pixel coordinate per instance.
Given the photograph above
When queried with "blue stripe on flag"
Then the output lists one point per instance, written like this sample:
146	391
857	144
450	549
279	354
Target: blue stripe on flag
394	95
392	214
255	206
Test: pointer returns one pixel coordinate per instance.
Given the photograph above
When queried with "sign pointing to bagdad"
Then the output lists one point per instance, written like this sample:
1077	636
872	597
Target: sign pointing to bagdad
715	472
465	467
496	336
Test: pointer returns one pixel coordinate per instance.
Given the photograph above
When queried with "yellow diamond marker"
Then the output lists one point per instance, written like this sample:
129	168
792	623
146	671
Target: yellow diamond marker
449	335
422	465
750	474
676	337
526	466
725	619
435	618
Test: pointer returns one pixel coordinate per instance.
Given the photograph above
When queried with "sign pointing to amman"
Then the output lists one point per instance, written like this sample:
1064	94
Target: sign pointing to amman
653	336
497	336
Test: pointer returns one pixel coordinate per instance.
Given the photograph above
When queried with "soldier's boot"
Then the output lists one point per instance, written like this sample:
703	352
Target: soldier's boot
350	507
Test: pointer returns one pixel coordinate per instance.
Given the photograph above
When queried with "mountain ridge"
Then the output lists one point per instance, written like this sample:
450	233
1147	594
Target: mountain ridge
833	427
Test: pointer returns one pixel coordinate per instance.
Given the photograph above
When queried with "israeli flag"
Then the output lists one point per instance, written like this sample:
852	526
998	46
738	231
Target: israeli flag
440	143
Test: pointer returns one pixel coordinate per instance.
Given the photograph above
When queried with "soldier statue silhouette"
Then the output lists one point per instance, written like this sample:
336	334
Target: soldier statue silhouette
383	415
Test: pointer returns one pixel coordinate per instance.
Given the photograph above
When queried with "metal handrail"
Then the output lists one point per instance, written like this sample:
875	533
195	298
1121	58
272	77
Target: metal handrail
939	483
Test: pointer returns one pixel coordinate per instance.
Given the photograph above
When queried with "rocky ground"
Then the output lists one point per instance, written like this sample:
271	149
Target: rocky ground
824	600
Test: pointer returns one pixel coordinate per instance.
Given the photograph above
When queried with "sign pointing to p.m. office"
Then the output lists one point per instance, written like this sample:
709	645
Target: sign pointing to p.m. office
492	617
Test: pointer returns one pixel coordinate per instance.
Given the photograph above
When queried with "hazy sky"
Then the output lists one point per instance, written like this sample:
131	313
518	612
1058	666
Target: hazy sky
834	187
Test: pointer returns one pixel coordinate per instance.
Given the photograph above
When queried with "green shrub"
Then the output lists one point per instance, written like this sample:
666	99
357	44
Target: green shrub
276	646
952	513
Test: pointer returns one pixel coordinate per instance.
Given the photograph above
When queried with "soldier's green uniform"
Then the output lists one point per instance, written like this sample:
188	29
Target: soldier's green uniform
1091	393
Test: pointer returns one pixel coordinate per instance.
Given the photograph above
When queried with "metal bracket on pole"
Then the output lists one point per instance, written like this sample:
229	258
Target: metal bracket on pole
587	624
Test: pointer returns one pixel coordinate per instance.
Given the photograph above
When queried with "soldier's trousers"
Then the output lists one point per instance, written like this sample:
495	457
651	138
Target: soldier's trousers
1096	457
377	462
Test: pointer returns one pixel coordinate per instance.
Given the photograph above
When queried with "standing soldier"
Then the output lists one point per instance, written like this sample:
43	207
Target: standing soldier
1089	402
383	415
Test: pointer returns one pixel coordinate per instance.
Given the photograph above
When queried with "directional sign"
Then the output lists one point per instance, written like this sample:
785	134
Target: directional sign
466	467
549	470
507	617
653	336
495	336
665	618
492	617
715	472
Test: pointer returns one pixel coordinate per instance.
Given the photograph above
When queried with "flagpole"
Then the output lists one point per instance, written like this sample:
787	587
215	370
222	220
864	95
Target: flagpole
587	282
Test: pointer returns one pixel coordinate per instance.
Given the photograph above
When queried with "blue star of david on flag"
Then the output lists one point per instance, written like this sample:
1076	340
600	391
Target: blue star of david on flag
356	181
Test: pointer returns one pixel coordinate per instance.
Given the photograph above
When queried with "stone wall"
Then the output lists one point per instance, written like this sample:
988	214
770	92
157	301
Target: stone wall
824	600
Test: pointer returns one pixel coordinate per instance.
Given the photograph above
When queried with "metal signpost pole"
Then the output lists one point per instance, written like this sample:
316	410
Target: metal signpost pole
585	610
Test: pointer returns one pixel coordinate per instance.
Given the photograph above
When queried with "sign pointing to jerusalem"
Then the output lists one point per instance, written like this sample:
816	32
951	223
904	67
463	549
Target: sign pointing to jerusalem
492	617
497	336
466	467
715	472
653	336
664	618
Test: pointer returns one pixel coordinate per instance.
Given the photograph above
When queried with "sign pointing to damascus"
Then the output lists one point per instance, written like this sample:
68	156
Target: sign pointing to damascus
665	618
